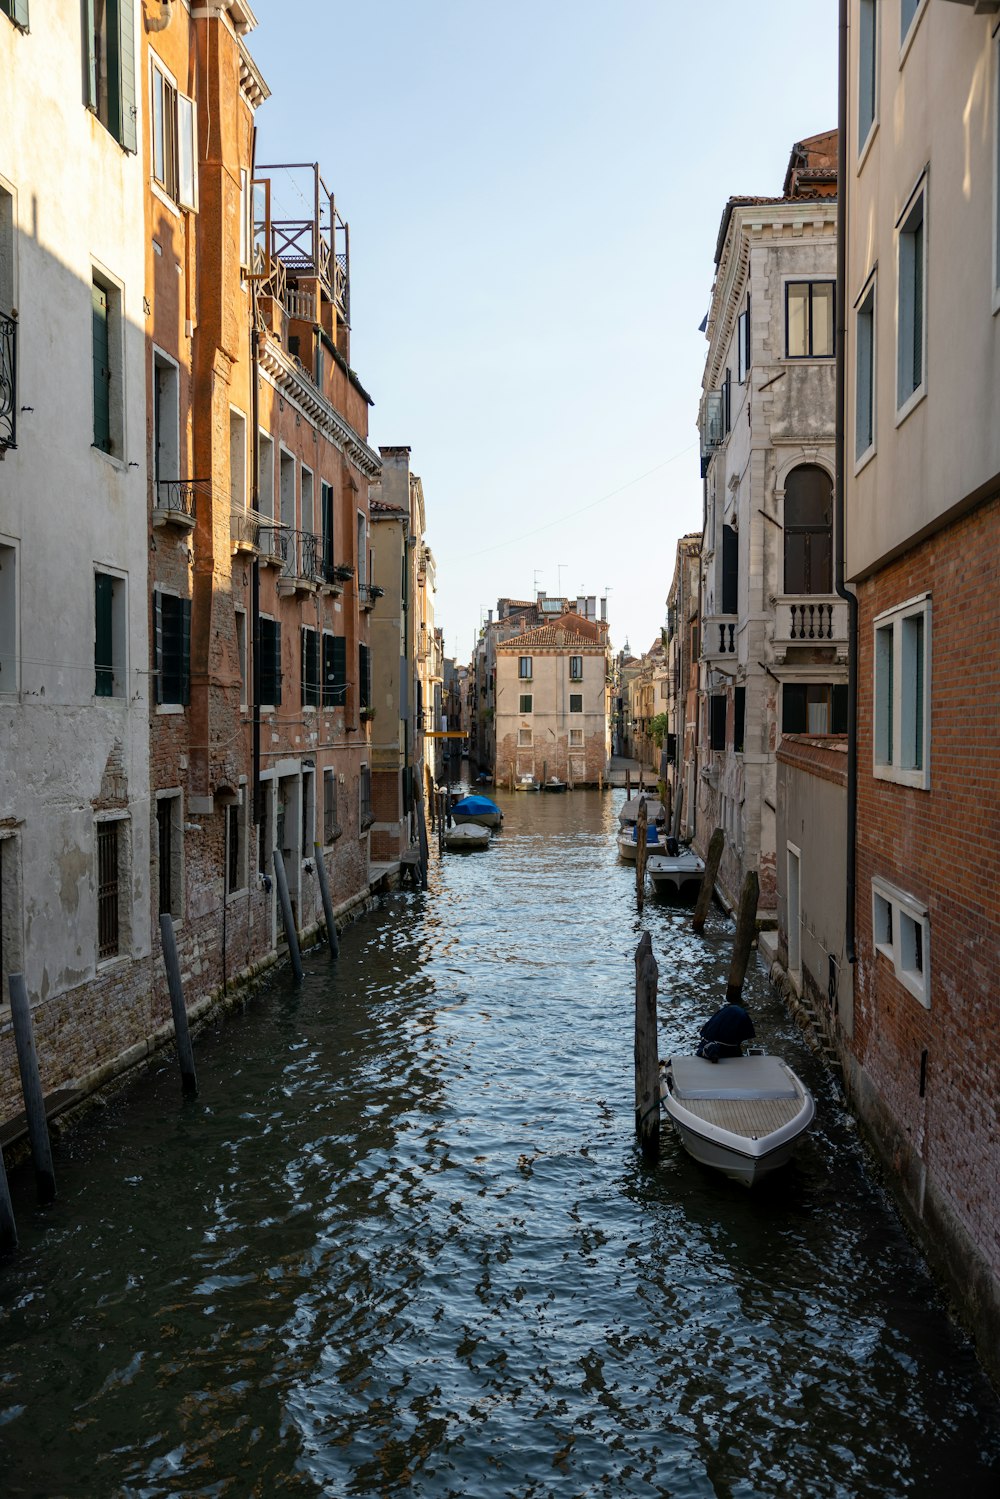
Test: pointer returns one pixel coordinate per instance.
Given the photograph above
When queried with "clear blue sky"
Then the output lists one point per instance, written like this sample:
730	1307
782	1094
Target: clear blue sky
534	190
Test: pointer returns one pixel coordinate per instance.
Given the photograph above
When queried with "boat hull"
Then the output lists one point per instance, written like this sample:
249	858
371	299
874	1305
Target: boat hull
674	875
483	819
628	846
466	838
742	1116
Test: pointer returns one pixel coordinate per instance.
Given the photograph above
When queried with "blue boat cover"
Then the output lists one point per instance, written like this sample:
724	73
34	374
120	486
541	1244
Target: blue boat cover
652	833
475	804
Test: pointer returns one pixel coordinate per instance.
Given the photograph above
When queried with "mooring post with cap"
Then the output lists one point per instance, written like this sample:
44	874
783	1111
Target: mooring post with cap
31	1087
287	918
324	890
647	1062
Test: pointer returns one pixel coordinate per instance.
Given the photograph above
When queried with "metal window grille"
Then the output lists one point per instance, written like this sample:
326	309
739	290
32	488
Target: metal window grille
107	890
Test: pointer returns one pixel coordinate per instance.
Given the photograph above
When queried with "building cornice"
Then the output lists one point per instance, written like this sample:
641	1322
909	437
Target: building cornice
296	386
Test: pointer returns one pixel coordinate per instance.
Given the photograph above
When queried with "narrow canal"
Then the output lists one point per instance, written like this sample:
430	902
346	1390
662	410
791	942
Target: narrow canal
401	1244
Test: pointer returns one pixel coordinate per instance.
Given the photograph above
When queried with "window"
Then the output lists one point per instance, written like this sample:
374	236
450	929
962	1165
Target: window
109	635
237	461
308	812
270	662
907	14
739	718
331	827
106	320
112	879
730	571
173	140
9	674
727	402
523	737
743	344
717	721
286	483
241	652
265	477
109	48
576	702
864	393
576	738
901	933
166	422
169	854
809	319
310	668
910	348
808	530
326	504
334	671
814	708
18	12
172	649
524	668
867	71
525	702
364	677
306	502
576	668
362	550
235	848
901	693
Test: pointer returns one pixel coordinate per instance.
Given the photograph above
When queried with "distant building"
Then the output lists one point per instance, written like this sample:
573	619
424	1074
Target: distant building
683	668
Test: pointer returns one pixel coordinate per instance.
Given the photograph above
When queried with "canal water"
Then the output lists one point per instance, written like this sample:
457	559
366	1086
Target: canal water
402	1243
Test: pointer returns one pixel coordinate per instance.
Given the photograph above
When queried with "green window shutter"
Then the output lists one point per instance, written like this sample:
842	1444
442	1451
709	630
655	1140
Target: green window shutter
185	648
364	676
267	661
90	53
277	664
157	646
340	670
102	370
121	67
18	12
104	670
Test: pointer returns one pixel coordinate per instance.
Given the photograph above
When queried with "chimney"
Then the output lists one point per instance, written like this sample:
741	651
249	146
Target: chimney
604	609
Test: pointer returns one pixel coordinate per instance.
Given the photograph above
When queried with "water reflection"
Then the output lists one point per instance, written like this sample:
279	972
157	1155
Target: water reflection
402	1242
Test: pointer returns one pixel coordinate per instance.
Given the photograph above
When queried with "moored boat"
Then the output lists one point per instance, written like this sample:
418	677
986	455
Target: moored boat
675	870
655	811
742	1116
465	837
628	841
554	784
477	809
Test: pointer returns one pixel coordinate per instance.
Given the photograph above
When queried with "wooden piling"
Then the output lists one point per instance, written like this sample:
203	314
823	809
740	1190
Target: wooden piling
647	1062
8	1228
31	1088
746	931
600	780
182	1031
712	862
285	901
628	784
641	827
424	850
333	940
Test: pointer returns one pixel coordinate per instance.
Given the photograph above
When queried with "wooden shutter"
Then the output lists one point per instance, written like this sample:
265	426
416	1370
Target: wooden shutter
187	153
327	503
20	13
739	718
102	369
334	671
184	665
121	67
104	670
90	53
364	676
310	668
717	722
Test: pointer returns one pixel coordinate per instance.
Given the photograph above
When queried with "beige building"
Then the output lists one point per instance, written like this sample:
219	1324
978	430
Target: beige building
683	657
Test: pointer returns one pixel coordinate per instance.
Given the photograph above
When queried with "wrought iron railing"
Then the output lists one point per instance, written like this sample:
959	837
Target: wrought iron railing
298	551
8	381
368	593
179	495
244	528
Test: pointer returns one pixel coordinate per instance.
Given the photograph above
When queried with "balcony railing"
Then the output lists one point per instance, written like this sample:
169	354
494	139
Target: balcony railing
300	304
314	245
368	593
300	567
8	382
810	620
176	500
244	529
719	637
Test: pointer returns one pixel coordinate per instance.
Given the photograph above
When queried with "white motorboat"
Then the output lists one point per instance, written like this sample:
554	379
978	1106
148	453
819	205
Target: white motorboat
527	783
741	1115
466	836
628	841
655	811
678	873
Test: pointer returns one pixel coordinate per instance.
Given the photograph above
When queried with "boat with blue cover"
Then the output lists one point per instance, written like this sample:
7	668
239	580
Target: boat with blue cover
477	809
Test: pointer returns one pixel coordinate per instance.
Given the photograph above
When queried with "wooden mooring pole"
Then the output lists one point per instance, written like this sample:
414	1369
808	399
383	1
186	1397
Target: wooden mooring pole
333	940
424	849
647	1062
641	827
31	1087
746	930
285	901
712	861
182	1031
8	1228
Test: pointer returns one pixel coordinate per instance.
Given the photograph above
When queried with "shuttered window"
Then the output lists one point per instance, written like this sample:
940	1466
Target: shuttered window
172	648
310	668
717	721
104	666
102	369
327	522
270	662
110	52
364	676
17	10
107	890
739	718
334	671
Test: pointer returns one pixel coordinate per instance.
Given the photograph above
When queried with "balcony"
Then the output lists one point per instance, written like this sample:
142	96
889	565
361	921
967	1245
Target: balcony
244	531
367	594
8	382
300	570
810	620
719	639
314	246
270	546
175	502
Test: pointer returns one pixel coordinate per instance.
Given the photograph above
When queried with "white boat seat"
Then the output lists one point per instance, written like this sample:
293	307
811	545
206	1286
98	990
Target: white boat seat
732	1077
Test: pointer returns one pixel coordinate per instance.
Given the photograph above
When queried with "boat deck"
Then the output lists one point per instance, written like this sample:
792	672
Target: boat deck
750	1096
752	1117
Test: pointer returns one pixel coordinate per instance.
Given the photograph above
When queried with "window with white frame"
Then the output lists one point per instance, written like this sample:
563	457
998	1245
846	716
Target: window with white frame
237	460
166	429
576	668
236	847
524	668
110	629
911	293
867	71
525	701
9	657
265	477
743	360
907	15
902	693
523	738
113	913
286	484
173	138
864	391
809	319
576	738
901	934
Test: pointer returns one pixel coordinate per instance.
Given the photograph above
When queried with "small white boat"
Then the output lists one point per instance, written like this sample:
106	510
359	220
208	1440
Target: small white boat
741	1115
527	783
554	784
675	874
466	836
628	842
629	813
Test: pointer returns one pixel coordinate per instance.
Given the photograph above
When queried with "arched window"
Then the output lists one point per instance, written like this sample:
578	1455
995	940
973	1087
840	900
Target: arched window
808	530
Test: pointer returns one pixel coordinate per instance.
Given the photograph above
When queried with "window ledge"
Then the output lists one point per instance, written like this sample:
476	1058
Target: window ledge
911	403
917	780
166	710
865	151
865	459
907	42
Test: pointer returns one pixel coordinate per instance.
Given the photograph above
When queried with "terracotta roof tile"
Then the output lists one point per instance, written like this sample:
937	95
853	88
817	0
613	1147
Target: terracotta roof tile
568	630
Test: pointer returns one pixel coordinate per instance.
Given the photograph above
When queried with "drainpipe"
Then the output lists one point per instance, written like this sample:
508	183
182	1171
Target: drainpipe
258	810
840	450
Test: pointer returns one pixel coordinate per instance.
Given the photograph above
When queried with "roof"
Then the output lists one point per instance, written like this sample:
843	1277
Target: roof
810	176
570	629
822	755
383	507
